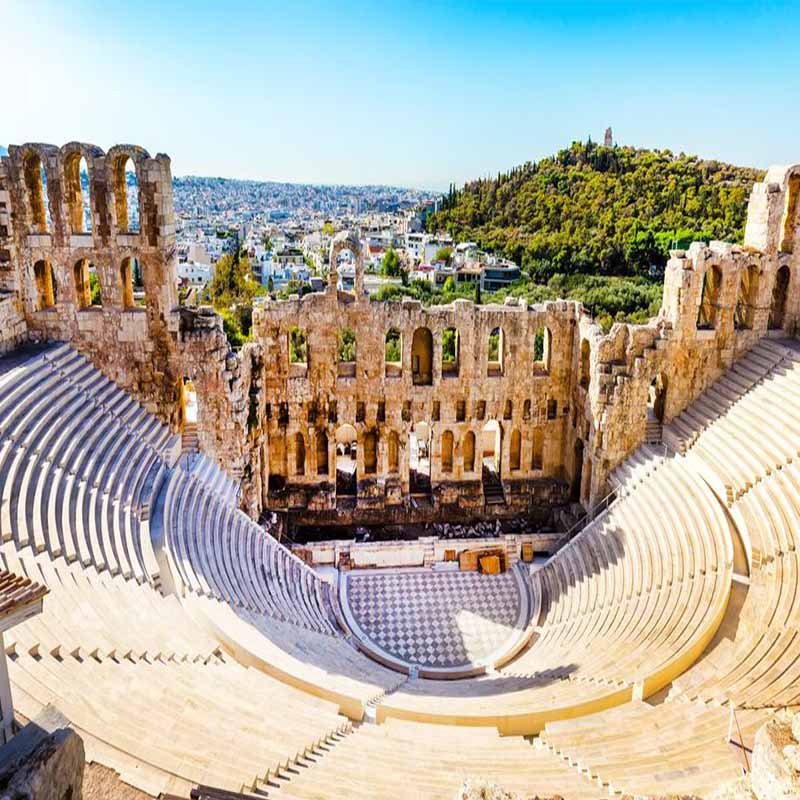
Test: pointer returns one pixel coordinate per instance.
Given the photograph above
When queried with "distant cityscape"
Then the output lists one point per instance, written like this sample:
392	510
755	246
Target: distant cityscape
285	229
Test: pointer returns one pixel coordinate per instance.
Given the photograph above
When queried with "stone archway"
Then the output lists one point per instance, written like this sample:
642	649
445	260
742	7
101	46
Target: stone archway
346	240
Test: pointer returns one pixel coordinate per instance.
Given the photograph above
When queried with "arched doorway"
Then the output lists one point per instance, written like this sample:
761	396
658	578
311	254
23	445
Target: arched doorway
657	398
419	459
346	461
779	292
491	451
577	478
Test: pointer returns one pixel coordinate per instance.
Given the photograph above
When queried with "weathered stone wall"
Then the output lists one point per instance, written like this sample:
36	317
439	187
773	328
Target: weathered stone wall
274	423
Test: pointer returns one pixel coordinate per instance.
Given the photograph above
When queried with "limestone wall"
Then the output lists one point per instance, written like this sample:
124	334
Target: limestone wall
560	420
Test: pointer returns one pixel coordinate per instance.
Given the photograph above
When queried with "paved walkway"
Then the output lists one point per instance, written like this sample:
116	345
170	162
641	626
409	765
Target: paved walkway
435	619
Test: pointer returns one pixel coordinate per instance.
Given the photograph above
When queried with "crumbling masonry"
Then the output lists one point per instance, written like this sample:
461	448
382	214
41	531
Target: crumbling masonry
532	401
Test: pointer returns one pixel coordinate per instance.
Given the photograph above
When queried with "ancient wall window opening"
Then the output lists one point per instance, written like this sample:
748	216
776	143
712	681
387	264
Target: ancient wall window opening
790	215
709	298
526	409
126	195
419	459
346	460
496	352
361	411
447	451
132	283
422	357
552	409
585	373
508	409
393	353
45	281
381	414
298	351
346	353
541	350
468	451
78	198
436	411
322	452
450	352
299	455
515	451
461	410
393	453
36	189
537	450
188	412
370	453
780	291
480	410
88	293
747	298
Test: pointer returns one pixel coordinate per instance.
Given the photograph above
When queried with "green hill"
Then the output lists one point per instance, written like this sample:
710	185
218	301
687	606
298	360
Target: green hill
596	223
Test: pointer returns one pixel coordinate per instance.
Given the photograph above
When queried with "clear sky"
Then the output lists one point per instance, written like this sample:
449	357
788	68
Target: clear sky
415	93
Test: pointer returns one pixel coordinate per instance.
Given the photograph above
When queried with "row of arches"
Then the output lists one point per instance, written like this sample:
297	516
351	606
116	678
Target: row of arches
422	352
746	298
78	194
476	452
87	284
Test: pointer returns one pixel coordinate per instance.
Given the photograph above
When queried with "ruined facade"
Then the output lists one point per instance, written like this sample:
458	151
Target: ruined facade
449	409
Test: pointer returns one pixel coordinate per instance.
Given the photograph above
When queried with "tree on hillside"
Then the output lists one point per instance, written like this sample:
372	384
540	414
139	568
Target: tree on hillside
444	254
390	264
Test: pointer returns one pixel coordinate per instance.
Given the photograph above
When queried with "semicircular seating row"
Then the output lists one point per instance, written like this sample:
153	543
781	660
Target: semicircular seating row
756	665
624	608
148	687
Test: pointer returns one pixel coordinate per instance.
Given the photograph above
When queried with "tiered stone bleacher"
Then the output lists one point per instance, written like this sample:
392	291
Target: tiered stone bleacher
642	751
148	688
626	606
79	463
406	760
757	665
262	601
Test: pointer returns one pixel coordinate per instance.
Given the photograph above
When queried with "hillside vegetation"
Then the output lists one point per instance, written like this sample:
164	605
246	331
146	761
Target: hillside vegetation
596	223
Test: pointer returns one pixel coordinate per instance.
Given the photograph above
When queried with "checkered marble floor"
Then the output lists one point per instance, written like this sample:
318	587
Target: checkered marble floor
435	619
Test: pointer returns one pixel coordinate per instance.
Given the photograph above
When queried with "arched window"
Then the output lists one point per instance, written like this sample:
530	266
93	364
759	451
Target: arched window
131	280
346	353
322	453
370	452
346	459
585	363
36	187
779	293
126	195
299	454
393	452
422	357
298	347
447	451
393	353
541	349
515	449
79	207
537	450
495	352
709	298
469	452
45	280
87	285
450	352
746	300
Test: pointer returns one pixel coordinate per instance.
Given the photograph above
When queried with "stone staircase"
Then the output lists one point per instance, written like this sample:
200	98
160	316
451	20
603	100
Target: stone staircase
492	488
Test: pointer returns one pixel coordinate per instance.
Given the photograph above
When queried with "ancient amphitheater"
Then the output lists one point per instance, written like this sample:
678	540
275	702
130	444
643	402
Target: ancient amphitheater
191	646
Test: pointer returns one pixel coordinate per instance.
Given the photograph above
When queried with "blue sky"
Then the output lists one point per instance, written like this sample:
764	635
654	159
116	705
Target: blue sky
415	93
